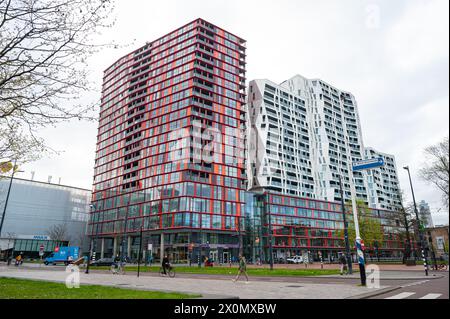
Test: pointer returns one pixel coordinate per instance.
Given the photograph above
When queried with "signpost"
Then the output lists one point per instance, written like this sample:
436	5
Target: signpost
367	164
360	166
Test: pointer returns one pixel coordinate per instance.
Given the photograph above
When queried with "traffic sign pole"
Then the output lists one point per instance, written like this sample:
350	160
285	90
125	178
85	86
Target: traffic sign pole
359	252
360	166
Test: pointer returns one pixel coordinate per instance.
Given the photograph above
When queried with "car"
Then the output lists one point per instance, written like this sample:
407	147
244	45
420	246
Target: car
295	260
102	262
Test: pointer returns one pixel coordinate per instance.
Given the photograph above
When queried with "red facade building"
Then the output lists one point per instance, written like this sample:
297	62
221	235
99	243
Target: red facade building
170	157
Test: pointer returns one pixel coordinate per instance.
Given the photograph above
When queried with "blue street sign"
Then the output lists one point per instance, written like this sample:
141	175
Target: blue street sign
367	164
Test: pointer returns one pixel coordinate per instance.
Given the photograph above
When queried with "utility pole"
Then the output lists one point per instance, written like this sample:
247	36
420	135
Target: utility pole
92	243
7	194
347	244
140	251
422	245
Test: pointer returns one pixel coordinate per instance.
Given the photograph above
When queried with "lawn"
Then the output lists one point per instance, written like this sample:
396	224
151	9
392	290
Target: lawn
233	271
11	288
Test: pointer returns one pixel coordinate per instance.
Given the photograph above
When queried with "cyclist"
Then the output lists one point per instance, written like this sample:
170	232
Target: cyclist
165	264
116	264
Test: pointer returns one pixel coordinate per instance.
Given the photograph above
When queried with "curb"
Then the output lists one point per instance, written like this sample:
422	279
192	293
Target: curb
375	293
396	278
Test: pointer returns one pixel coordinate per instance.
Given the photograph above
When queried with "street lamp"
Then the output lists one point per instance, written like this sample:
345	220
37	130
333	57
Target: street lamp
92	246
7	194
422	247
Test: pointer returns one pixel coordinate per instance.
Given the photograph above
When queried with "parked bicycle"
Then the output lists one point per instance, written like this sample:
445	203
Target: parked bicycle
118	268
170	271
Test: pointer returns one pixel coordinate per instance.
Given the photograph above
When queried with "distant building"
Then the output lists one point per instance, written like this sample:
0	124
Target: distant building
383	184
34	207
425	214
438	237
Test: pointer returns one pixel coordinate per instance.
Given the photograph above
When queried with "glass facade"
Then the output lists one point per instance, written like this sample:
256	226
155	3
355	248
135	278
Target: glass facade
171	151
35	207
297	225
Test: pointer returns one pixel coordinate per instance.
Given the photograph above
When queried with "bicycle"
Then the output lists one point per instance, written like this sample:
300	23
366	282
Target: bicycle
170	271
442	267
118	269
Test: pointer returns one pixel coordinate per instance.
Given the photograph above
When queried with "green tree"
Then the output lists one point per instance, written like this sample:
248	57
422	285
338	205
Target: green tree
370	228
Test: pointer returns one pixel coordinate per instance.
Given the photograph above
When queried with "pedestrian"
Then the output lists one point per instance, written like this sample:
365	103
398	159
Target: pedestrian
343	264
242	269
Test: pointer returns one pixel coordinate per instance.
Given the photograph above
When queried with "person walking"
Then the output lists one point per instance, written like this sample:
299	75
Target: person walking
343	264
242	269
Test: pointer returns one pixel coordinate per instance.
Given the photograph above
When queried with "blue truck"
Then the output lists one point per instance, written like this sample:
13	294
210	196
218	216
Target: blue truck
63	255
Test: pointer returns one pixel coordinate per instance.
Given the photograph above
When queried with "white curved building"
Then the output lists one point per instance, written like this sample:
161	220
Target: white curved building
304	134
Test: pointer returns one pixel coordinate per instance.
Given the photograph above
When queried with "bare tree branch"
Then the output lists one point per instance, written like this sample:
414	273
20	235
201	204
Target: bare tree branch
436	170
58	232
44	45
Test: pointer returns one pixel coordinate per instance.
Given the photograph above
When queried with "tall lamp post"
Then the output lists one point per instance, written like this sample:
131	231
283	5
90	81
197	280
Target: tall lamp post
92	246
422	246
7	195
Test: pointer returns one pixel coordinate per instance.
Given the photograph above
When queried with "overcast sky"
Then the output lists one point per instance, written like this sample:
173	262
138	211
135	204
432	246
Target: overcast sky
392	55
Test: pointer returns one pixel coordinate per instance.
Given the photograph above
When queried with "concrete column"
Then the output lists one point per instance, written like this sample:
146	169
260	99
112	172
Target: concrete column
102	249
129	246
114	246
162	247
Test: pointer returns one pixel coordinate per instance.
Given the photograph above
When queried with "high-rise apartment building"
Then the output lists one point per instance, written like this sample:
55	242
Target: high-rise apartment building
169	157
304	135
425	214
383	184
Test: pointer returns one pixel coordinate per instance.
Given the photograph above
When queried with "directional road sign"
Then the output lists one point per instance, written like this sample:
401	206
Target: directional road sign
367	164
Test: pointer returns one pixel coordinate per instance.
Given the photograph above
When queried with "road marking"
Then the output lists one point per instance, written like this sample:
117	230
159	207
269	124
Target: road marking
431	296
401	295
415	283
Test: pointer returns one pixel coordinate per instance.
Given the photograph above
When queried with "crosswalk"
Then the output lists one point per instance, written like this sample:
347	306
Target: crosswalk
405	294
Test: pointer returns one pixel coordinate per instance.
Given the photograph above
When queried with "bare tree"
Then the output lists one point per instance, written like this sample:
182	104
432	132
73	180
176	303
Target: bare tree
58	232
437	170
44	45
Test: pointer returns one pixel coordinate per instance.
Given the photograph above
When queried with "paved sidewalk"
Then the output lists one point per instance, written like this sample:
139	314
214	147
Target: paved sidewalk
210	288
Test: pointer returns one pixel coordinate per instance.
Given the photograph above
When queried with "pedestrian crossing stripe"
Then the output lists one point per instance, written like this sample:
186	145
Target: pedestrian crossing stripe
404	295
431	296
401	295
415	283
